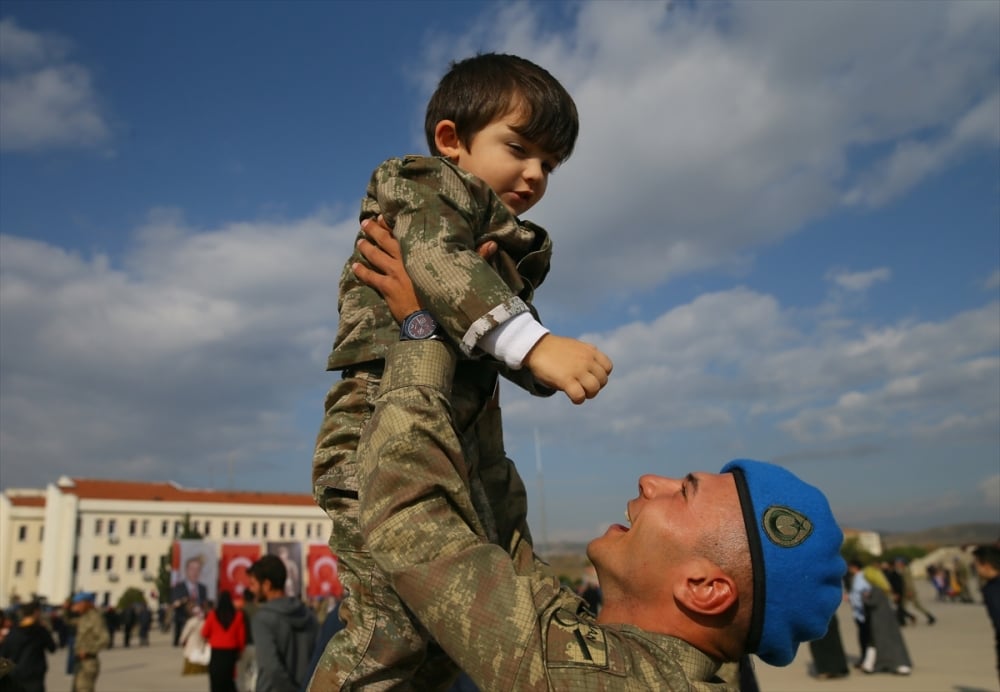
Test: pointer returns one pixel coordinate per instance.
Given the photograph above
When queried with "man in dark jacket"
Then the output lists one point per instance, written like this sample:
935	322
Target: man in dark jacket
987	559
284	629
26	646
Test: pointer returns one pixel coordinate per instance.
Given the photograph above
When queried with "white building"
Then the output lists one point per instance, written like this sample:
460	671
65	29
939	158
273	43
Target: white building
106	536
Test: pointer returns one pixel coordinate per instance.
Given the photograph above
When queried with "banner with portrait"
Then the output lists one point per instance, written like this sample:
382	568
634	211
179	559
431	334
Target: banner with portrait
195	572
290	553
324	578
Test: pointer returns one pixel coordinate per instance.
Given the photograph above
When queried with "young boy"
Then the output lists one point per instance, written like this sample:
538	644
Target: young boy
498	125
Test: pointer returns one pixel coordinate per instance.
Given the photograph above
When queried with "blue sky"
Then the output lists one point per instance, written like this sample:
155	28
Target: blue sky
781	220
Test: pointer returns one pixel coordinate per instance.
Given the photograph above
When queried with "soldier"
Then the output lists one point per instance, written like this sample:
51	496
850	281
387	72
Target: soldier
711	568
91	638
497	126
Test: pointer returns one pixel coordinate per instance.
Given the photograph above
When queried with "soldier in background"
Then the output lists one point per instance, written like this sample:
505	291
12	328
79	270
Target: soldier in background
91	638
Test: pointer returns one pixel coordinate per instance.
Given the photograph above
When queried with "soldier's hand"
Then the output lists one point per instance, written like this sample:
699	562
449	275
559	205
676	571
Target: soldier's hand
387	274
578	369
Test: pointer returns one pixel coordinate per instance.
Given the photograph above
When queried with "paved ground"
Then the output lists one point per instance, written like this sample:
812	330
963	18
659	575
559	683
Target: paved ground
955	655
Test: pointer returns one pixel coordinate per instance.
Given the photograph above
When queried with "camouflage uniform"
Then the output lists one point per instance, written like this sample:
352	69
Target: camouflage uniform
439	215
503	621
91	637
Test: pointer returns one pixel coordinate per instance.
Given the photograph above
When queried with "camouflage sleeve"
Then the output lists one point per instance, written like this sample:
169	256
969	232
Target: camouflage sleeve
422	529
438	218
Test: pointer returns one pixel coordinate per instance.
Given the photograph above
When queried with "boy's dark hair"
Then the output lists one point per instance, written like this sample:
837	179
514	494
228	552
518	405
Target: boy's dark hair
988	555
269	568
478	90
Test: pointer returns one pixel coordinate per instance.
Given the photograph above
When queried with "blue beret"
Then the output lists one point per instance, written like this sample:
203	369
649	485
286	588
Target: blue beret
81	596
795	552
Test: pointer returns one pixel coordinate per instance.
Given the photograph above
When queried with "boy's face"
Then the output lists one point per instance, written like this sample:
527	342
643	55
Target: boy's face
516	169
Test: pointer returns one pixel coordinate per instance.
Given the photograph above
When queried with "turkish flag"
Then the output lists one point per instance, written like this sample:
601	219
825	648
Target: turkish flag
233	565
323	576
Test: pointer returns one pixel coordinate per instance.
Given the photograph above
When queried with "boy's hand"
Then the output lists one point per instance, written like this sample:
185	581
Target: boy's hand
576	368
389	276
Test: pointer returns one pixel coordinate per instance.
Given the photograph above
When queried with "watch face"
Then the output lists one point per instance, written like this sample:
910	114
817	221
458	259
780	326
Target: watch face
420	326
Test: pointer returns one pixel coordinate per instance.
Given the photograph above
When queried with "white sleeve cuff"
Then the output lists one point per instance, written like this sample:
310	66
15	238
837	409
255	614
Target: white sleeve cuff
511	340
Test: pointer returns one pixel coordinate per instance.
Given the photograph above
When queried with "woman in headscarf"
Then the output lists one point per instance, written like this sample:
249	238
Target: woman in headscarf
891	655
226	632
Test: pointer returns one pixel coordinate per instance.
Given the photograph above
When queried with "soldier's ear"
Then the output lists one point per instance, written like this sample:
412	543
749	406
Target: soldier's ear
446	139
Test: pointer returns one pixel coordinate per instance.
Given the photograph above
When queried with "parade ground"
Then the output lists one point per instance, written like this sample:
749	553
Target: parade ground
956	654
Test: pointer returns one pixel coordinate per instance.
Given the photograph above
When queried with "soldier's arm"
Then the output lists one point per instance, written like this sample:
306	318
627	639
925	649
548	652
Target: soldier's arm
417	517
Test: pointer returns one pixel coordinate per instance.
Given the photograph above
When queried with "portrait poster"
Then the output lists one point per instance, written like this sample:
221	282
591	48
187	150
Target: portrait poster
195	572
234	562
324	578
290	553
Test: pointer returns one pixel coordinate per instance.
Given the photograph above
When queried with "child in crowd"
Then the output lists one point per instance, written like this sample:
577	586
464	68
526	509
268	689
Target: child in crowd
498	125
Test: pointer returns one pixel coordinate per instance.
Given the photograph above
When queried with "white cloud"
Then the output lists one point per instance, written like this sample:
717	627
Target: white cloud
709	131
859	281
45	101
993	281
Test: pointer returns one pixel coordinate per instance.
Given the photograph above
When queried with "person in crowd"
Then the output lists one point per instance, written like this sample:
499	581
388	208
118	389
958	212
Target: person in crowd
145	619
496	126
987	562
829	659
895	580
225	630
92	637
197	653
129	620
960	580
112	621
26	645
909	590
882	645
284	630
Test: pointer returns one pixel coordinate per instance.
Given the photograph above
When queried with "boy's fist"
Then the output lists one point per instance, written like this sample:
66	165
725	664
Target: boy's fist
574	367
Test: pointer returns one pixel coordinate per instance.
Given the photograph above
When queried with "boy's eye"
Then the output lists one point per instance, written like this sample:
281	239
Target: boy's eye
516	147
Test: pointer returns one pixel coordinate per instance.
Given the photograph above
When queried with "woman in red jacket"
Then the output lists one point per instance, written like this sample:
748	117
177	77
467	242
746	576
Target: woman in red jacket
226	632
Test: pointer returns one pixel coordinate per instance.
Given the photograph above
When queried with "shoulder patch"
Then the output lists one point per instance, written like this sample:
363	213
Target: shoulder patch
575	641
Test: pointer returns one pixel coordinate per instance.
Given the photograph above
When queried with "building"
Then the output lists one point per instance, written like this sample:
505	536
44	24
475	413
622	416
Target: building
868	541
106	536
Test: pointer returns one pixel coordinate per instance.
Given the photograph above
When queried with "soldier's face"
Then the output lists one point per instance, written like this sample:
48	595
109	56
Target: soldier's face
672	519
515	168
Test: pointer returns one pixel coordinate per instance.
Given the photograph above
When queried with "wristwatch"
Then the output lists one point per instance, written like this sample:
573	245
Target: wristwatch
420	325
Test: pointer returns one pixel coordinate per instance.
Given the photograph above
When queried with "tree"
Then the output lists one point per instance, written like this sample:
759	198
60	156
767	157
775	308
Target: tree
128	599
166	560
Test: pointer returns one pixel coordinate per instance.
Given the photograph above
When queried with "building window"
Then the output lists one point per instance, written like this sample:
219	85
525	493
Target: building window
309	530
177	528
79	527
143	563
208	526
236	528
112	526
130	563
98	526
109	562
18	568
165	527
145	527
41	532
281	530
263	529
38	567
253	529
22	533
95	563
225	528
291	529
133	527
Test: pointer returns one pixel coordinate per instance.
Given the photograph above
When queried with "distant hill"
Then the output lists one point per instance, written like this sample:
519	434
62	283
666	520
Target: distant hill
954	534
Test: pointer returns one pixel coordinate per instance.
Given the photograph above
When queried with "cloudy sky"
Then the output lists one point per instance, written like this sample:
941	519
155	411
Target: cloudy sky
781	221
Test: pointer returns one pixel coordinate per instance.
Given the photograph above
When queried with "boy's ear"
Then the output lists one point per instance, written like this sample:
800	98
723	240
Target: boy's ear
446	139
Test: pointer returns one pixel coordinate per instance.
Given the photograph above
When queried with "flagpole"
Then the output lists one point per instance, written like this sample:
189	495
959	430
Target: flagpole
541	490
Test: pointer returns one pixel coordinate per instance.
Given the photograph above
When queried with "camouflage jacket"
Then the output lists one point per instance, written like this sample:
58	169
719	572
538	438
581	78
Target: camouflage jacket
91	633
440	214
502	620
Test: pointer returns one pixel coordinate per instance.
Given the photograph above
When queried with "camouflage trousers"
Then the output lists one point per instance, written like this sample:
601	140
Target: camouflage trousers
382	646
85	678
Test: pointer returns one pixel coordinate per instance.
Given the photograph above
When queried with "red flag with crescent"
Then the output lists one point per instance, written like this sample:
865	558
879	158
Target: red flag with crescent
233	565
323	576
